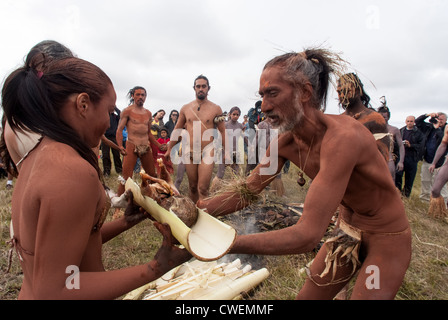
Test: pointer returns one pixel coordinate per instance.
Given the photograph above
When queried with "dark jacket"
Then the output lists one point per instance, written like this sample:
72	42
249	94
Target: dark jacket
114	119
417	141
170	127
431	135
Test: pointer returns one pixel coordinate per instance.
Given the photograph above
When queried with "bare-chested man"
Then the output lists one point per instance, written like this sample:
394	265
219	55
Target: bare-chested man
373	234
397	140
196	117
356	103
137	120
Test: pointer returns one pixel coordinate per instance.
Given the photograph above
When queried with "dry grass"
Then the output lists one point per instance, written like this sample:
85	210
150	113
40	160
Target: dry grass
426	278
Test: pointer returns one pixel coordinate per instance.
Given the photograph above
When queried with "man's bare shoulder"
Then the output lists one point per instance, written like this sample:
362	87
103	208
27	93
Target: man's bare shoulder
393	129
215	107
186	108
133	108
126	111
206	104
346	128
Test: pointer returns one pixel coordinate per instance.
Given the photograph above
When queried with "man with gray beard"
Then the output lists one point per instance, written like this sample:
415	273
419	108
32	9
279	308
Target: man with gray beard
340	155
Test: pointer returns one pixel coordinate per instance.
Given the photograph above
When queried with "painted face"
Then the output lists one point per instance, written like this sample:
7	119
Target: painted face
139	97
201	88
281	103
346	93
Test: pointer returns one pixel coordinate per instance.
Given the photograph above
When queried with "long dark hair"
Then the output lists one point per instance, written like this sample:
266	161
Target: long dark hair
32	99
49	50
131	93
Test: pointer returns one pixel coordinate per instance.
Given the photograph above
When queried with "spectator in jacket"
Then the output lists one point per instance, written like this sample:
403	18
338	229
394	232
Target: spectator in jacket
106	149
174	115
413	140
433	133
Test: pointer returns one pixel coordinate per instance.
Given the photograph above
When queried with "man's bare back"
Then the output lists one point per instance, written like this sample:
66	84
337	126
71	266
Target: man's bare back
84	193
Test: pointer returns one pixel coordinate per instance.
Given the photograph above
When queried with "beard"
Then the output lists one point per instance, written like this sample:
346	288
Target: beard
201	96
288	123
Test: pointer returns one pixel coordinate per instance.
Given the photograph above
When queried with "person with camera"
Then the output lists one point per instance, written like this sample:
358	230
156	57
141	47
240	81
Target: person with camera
433	132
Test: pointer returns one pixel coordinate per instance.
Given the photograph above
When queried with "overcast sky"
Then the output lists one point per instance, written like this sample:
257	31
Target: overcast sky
398	48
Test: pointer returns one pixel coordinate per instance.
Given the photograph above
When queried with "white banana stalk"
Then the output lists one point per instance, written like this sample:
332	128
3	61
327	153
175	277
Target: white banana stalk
208	281
208	239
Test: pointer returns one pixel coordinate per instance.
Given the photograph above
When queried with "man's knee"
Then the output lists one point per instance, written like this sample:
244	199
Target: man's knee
193	188
203	190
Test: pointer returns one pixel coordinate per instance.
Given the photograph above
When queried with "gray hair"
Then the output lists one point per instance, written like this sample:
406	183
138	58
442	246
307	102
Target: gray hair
315	66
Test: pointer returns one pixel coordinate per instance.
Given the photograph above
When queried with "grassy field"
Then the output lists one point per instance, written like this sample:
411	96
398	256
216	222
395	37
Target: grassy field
426	278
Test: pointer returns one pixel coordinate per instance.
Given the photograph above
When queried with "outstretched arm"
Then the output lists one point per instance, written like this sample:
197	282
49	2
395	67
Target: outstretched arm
241	194
322	200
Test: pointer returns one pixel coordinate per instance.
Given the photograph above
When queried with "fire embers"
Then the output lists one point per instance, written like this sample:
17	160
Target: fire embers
266	217
274	219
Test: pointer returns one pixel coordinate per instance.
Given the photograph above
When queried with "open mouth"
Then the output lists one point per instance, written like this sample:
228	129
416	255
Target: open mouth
273	118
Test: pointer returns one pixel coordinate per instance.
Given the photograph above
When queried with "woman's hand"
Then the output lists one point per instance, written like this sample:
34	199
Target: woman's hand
134	213
169	255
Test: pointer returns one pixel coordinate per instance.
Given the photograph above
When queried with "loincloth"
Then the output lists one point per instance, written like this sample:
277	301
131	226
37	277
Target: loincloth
138	149
197	156
141	150
342	250
437	208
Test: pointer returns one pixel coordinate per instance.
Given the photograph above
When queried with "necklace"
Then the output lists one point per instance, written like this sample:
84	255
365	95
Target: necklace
301	180
197	117
356	116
